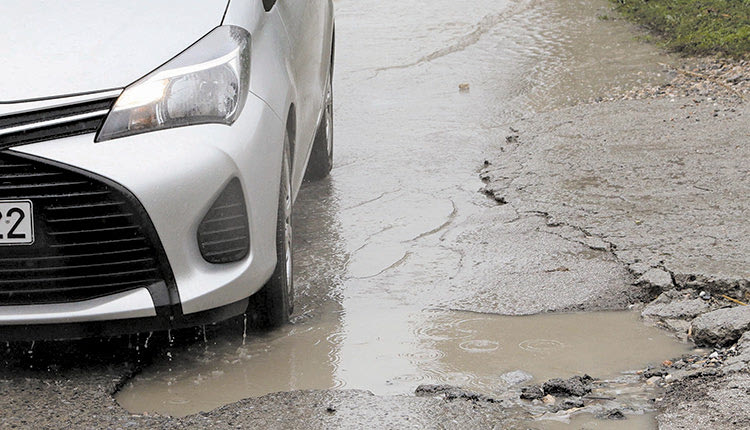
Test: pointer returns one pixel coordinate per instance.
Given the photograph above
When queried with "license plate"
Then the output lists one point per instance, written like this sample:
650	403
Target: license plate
16	222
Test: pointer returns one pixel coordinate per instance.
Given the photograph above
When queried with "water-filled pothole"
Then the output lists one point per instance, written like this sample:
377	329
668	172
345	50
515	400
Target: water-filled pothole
460	348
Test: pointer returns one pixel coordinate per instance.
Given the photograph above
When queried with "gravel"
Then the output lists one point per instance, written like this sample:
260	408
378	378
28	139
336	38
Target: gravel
709	78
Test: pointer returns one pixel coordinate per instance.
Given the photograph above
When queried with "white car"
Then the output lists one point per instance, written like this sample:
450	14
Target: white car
150	153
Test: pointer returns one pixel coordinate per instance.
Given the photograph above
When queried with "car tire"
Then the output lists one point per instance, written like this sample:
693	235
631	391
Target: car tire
321	157
271	306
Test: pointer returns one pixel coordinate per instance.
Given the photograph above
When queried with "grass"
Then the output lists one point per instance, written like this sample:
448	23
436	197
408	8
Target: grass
695	27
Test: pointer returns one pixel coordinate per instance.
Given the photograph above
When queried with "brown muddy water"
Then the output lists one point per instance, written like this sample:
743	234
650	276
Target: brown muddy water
377	260
467	349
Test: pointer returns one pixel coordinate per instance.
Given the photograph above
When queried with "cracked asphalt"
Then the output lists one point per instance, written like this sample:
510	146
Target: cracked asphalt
469	180
658	184
661	188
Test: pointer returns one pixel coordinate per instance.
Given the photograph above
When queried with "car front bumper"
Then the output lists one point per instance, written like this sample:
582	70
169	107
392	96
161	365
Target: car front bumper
176	175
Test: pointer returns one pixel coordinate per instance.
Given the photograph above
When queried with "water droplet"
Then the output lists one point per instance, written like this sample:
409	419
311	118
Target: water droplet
479	345
540	345
244	330
145	344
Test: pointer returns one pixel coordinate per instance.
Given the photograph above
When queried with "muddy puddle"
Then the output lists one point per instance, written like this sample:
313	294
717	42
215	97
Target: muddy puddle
470	350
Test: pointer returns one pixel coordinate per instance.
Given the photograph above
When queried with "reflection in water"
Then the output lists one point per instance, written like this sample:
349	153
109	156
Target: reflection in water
203	377
466	349
549	345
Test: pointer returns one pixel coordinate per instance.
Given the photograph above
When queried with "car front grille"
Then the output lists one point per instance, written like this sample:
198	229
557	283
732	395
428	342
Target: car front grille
91	239
54	122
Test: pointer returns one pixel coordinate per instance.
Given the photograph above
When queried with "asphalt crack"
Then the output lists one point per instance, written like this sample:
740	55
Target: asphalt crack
486	24
450	218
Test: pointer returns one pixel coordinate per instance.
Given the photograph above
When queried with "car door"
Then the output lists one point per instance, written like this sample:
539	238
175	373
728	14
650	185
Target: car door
308	25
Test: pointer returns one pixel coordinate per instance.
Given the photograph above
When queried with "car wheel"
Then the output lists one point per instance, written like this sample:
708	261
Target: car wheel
321	158
271	306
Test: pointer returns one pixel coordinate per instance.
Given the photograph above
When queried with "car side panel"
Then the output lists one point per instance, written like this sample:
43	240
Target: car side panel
307	24
270	77
291	46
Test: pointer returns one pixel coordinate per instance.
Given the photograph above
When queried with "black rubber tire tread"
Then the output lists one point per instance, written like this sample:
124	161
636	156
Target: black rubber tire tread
321	162
271	306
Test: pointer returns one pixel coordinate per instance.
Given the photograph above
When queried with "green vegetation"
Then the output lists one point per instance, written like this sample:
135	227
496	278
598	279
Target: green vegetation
695	27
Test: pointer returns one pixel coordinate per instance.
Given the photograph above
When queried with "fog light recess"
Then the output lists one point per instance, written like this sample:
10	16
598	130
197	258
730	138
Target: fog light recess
224	234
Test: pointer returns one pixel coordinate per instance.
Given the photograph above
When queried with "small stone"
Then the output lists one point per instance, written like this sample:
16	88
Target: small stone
704	295
667	363
614	414
516	377
464	87
573	402
432	389
656	277
714	354
532	392
549	399
575	386
450	392
653	380
656	371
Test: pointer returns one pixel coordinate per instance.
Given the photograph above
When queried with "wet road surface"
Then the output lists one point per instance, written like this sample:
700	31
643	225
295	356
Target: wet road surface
391	251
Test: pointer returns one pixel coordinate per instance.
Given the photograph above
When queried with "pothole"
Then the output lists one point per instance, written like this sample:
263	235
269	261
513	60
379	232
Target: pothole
471	350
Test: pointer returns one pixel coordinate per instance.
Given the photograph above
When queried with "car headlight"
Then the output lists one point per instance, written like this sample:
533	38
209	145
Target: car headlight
206	83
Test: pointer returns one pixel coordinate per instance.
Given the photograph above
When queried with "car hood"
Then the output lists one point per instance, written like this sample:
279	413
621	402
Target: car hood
54	48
